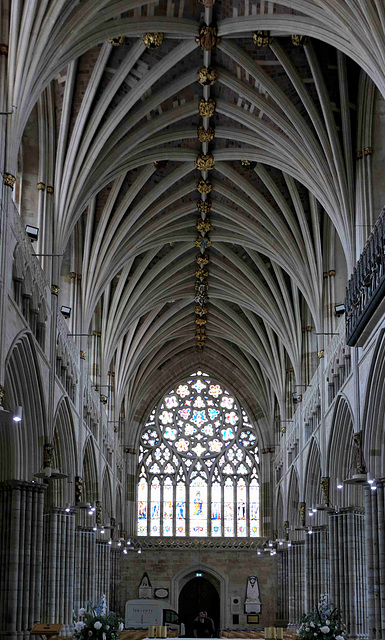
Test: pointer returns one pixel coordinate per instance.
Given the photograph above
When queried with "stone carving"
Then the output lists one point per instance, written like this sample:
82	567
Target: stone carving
325	483
299	40
145	588
206	107
206	135
206	76
208	37
204	206
253	600
204	186
360	463
153	40
262	39
205	162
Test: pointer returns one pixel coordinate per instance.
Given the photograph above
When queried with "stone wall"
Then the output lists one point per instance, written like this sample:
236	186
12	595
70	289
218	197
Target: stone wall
229	569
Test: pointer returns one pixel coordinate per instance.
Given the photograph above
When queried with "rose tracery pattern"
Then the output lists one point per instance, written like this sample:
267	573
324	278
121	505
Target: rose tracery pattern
199	446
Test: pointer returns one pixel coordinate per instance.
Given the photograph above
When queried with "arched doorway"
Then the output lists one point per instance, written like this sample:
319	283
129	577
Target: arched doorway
199	594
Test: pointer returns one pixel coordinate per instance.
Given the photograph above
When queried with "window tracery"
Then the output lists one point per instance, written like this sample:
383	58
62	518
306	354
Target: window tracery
198	465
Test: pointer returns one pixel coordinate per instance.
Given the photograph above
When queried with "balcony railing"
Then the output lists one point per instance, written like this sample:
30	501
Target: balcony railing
366	287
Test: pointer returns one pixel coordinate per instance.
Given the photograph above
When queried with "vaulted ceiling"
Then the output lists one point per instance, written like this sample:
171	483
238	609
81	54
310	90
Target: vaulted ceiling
201	208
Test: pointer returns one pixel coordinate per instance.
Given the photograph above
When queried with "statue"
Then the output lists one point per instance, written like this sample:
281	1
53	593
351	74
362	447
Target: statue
360	462
145	588
253	601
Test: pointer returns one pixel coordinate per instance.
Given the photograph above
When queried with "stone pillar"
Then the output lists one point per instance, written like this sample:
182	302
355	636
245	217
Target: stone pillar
348	569
375	548
103	569
114	602
21	538
283	587
58	569
317	566
85	567
296	581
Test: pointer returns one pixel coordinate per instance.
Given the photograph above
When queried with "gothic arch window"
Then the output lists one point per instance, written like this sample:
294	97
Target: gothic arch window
198	472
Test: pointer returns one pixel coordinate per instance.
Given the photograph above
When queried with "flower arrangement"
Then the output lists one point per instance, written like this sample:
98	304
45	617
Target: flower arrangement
323	623
95	623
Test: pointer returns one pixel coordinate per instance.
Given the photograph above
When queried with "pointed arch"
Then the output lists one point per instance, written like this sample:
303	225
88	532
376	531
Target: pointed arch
373	418
90	472
64	459
342	456
293	500
21	445
107	506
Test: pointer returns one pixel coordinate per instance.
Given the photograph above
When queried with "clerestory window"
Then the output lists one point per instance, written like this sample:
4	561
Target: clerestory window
198	465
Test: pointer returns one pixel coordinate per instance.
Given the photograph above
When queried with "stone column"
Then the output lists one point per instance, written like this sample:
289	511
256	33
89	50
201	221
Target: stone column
375	548
283	587
296	581
85	567
58	568
348	566
21	537
316	551
116	559
103	569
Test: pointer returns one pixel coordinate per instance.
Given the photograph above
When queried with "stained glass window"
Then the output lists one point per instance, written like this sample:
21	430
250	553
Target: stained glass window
198	465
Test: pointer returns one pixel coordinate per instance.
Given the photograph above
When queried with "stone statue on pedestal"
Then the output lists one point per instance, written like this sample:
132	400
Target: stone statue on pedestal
145	588
253	600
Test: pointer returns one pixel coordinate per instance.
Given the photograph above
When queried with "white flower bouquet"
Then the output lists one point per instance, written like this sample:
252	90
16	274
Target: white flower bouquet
323	623
94	622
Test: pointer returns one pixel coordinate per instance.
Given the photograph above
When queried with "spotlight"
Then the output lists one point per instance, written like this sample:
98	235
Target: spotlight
339	309
310	531
94	528
32	232
128	542
340	484
311	513
370	479
119	544
102	530
66	311
68	508
110	541
18	414
139	550
314	509
289	544
373	487
258	553
125	551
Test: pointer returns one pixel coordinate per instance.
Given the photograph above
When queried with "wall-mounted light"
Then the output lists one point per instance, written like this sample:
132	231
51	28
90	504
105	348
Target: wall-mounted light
18	414
370	479
339	309
66	311
32	232
340	484
125	551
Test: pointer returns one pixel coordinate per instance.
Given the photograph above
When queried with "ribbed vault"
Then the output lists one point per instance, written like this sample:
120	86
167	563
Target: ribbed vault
134	214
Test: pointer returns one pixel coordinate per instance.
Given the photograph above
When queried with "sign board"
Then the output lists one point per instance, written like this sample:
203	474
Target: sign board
141	614
47	630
